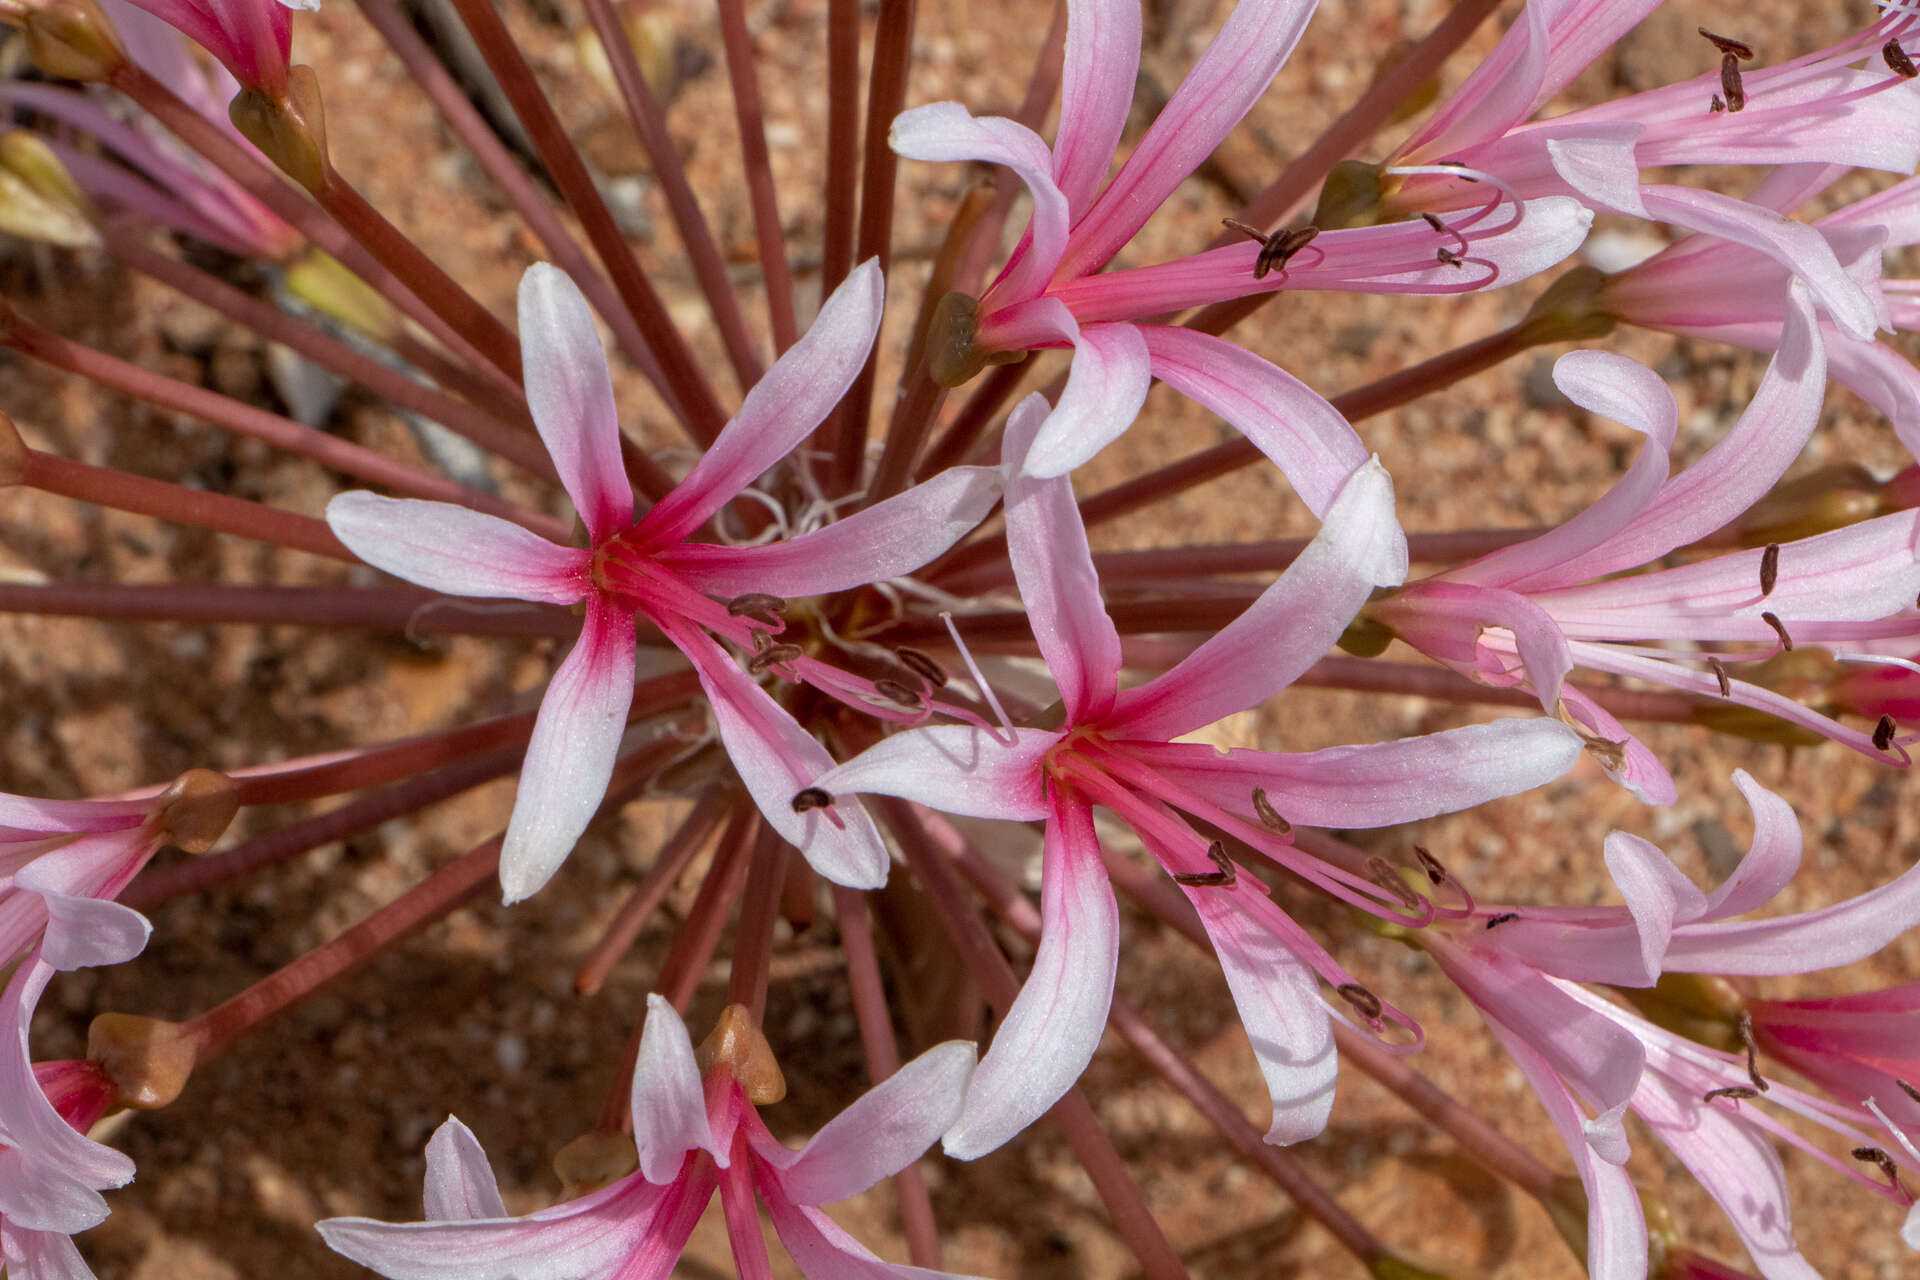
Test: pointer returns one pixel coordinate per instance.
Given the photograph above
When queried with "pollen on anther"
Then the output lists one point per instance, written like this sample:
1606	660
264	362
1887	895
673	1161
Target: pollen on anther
1720	674
1269	816
1883	733
1364	1002
1769	569
921	665
1779	629
811	798
1898	60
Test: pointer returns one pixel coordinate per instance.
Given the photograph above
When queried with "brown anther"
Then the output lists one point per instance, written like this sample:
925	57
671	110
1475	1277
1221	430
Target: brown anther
921	665
1779	629
1364	1002
739	1048
1449	258
1908	1089
1728	46
1269	816
1769	569
1382	873
1883	733
1505	917
1431	865
1898	60
894	691
1433	220
811	798
759	606
1225	875
1720	674
1715	105
1881	1161
1275	249
772	655
196	809
1744	1026
1730	86
1737	1092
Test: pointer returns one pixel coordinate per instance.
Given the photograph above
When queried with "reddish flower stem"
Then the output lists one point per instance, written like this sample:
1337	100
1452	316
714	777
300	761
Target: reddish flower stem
652	887
753	936
158	885
1370	675
512	441
869	995
265	184
886	96
696	236
244	419
843	142
701	412
412	611
122	491
1072	1114
957	442
758	165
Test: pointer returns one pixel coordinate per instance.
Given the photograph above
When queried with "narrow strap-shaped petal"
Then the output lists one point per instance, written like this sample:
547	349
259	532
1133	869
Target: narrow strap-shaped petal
887	540
1056	1021
782	409
571	397
1220	89
669	1108
448	548
1289	628
1825	939
1499	94
1302	434
460	1183
1879	375
571	753
1278	1000
1106	387
1771	859
1637	398
776	759
886	1129
1047	543
1657	895
824	1251
1377	784
954	768
1098	68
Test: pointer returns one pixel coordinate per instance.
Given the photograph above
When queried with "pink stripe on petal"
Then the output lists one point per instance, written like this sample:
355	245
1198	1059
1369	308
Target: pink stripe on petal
460	1183
1054	568
1287	420
885	1130
1098	69
1106	387
668	1105
783	408
1050	1034
953	768
443	547
887	540
571	397
1289	628
570	756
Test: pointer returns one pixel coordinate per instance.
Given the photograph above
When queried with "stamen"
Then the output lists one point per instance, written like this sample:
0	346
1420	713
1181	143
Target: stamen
980	681
1720	674
1365	1003
894	691
811	798
1883	733
1381	872
1715	105
1898	60
1883	1162
1449	258
1456	164
1431	865
921	665
1886	1122
1736	1092
1433	220
1269	816
1779	629
1744	1025
1728	46
1769	569
1736	93
1494	922
773	655
1275	249
1226	875
759	606
1908	1089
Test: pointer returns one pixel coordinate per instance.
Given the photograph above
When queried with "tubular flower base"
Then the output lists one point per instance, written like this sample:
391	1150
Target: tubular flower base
754	551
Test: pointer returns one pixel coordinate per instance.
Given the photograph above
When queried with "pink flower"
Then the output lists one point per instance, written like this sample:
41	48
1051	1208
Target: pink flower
648	566
1535	611
1854	1046
252	38
1052	293
1117	749
693	1137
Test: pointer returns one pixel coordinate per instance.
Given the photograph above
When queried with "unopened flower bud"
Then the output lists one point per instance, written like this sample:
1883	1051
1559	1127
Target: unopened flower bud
954	353
71	39
594	1160
196	809
1571	310
738	1047
291	131
1699	1006
147	1059
1351	197
319	280
39	200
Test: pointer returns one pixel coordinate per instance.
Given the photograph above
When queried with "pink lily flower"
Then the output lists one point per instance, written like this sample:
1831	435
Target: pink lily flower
1051	293
1858	1045
252	38
1117	749
647	566
159	178
694	1137
1535	611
